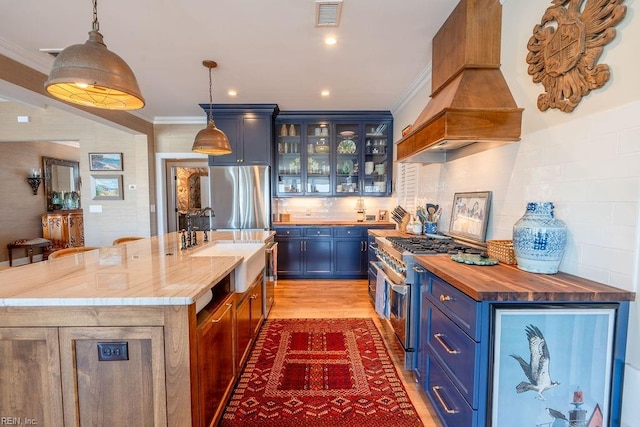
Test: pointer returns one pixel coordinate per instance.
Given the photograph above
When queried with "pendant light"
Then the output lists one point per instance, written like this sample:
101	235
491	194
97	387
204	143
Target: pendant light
211	140
90	74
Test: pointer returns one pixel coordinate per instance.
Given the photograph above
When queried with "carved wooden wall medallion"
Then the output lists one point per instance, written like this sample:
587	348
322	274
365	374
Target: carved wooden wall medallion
565	48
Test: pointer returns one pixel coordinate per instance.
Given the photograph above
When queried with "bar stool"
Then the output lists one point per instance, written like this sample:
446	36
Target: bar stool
120	240
70	251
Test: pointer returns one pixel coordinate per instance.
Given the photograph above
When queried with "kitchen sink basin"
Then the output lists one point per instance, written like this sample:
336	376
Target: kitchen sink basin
251	266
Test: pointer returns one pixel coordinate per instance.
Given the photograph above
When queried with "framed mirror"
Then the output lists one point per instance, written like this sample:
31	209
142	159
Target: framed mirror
61	183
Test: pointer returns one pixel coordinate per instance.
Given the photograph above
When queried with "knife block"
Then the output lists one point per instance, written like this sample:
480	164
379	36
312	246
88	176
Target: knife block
402	226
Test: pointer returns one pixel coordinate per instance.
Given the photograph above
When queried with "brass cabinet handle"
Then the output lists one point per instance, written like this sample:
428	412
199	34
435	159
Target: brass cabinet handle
254	296
229	305
445	298
444	344
436	391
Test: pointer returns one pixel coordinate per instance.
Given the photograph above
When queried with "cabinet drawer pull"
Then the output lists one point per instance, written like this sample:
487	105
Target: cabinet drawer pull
418	269
445	298
229	305
444	345
254	296
436	391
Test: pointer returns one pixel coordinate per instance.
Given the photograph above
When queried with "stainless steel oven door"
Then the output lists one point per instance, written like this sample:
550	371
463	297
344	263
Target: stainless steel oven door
400	313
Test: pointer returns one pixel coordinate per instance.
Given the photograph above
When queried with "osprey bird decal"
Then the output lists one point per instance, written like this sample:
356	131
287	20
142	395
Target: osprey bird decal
537	370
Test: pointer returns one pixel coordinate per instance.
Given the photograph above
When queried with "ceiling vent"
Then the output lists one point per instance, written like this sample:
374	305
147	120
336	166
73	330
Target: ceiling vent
328	13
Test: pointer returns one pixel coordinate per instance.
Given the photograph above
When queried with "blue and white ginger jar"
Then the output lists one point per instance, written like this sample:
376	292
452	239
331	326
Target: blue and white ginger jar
539	239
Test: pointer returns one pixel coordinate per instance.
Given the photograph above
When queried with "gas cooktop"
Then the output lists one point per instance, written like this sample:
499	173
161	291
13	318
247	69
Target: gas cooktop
424	245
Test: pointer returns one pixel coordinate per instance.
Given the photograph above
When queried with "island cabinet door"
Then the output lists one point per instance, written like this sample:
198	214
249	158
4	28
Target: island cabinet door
30	390
216	368
113	376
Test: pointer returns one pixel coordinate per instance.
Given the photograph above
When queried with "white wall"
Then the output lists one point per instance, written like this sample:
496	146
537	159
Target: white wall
586	162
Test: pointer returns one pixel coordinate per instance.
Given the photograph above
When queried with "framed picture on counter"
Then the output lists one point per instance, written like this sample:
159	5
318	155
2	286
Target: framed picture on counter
470	215
105	162
106	187
555	364
383	215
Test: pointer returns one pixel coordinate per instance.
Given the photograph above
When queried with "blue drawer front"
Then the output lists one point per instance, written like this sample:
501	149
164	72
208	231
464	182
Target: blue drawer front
289	232
446	400
350	231
457	351
318	231
459	307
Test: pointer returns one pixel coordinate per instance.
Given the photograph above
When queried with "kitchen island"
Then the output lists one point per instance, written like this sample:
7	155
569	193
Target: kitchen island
67	326
475	321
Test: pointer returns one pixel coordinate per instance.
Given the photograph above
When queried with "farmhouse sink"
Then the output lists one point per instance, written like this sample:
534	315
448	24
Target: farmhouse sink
248	270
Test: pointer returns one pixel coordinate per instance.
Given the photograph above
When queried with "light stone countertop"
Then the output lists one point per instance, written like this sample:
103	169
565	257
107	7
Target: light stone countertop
152	271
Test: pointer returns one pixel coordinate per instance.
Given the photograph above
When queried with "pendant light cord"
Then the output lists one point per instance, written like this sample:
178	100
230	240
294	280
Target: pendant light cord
210	98
96	25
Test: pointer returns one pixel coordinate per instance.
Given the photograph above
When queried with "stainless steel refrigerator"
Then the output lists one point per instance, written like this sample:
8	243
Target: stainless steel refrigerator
240	197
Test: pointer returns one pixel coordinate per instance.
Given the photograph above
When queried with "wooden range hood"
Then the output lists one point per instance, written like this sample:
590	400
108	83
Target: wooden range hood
471	107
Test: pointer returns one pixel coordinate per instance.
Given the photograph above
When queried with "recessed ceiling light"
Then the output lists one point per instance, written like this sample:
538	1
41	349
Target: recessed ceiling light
232	92
325	93
330	40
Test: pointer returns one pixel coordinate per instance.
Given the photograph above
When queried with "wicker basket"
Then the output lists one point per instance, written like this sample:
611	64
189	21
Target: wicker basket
502	250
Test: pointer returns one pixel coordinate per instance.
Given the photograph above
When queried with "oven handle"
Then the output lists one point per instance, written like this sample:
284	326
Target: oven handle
399	289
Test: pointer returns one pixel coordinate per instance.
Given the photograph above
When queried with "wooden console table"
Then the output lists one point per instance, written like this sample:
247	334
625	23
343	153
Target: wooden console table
28	245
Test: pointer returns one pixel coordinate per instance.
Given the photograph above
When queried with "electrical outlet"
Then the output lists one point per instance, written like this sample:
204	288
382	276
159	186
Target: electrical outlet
109	351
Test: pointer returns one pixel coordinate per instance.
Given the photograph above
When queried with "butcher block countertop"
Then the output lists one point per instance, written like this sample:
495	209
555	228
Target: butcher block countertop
152	271
504	282
311	222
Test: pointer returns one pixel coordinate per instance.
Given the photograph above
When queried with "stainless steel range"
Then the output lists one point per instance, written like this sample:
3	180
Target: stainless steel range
395	262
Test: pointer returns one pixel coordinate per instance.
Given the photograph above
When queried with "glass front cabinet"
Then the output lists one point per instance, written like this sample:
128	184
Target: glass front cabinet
334	154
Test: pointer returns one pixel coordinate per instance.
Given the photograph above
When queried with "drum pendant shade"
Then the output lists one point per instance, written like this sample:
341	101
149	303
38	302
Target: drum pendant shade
211	140
90	74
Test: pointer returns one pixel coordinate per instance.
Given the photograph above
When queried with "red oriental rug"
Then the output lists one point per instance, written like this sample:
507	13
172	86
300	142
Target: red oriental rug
320	372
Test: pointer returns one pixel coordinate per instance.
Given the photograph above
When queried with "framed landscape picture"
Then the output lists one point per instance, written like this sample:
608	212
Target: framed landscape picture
106	187
554	364
105	161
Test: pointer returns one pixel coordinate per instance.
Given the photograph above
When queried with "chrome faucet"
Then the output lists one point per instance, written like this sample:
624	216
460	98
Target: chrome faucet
189	236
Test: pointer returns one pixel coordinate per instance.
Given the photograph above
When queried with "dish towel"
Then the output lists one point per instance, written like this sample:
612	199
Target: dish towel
382	295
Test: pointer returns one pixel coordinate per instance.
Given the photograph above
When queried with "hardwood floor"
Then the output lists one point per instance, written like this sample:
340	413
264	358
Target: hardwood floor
312	299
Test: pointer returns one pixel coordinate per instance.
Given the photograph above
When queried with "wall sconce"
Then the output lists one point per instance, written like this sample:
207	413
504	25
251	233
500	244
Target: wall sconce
34	180
360	210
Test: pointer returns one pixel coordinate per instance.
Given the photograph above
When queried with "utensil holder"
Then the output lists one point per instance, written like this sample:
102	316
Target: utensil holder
430	227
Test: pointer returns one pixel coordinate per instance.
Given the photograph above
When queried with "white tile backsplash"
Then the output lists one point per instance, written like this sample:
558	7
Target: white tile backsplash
588	167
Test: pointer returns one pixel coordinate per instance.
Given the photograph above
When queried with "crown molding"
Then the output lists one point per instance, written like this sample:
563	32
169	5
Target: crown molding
423	78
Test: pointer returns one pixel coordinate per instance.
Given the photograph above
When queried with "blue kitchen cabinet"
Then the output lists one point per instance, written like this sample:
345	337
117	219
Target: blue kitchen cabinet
304	252
333	153
353	252
350	251
249	128
322	252
289	255
460	339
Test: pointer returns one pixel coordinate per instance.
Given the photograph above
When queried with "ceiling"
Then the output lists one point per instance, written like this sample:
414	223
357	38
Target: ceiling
269	51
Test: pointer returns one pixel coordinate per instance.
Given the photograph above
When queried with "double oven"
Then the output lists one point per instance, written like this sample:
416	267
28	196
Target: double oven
392	263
